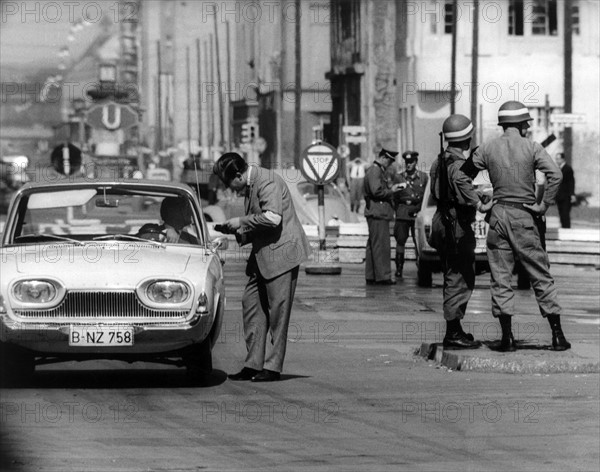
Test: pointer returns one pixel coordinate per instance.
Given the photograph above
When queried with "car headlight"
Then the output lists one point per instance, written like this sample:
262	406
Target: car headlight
167	291
35	291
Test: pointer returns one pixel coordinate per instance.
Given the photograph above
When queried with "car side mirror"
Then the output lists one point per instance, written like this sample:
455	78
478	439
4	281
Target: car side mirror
220	242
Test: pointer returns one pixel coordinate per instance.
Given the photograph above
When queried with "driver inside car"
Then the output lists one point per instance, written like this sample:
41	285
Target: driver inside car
177	224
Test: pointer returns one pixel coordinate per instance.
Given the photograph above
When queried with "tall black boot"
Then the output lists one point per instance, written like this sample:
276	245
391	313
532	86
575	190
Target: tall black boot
507	343
456	338
399	264
559	342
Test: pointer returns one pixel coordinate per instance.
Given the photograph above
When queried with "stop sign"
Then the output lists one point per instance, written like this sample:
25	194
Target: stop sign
320	163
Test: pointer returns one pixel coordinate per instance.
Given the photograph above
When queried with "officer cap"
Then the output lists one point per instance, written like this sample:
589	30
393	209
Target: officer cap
410	156
389	154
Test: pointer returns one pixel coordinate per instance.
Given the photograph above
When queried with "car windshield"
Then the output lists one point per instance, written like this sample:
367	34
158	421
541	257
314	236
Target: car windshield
101	213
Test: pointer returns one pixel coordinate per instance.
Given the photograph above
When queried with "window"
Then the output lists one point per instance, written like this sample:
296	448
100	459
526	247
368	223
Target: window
543	16
515	18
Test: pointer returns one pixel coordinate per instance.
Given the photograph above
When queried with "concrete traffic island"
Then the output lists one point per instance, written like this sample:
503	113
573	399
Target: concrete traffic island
530	358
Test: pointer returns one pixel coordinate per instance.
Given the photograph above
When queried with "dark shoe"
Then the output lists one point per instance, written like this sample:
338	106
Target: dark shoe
398	273
559	342
385	282
266	375
459	340
507	344
370	282
245	374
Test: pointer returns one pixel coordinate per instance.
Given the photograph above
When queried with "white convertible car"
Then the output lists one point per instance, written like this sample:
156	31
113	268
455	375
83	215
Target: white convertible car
87	273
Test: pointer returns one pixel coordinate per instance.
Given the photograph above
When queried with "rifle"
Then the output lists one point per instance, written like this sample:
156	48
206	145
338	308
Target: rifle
443	203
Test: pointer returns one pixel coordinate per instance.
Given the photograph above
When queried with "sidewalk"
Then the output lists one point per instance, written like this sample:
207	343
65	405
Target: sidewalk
530	359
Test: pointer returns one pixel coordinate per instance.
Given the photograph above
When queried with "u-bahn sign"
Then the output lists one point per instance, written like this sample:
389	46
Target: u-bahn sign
320	163
111	116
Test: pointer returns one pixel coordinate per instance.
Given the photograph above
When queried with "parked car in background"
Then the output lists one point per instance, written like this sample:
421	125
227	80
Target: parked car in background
428	260
87	273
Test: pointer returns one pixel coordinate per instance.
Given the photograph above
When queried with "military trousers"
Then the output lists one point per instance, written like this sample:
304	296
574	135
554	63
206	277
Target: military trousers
458	267
401	232
267	306
514	235
379	251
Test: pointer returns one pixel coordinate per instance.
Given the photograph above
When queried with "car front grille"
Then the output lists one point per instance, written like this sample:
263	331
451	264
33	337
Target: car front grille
99	305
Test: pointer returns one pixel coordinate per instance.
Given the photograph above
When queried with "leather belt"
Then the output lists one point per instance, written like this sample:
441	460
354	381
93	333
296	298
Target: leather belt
511	204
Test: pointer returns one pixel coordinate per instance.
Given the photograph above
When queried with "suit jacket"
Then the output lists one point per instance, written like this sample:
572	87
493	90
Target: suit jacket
567	186
277	249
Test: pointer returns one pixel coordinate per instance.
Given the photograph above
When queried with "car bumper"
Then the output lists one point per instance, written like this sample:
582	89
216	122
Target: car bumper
52	339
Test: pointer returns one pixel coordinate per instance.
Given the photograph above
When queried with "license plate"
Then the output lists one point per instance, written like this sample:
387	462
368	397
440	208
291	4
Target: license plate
100	336
480	228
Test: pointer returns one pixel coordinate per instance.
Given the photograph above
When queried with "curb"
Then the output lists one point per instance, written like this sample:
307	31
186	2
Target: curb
533	359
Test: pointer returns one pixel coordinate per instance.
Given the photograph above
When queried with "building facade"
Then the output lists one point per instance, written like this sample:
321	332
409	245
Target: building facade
391	72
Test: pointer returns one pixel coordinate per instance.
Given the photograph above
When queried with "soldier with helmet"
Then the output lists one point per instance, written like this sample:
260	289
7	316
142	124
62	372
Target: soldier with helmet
452	232
407	203
512	161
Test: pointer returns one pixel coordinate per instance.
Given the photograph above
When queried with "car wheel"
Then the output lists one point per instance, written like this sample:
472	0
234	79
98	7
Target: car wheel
198	362
16	366
424	275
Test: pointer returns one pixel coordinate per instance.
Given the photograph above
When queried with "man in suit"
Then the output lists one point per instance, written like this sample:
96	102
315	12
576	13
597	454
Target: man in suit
279	246
566	191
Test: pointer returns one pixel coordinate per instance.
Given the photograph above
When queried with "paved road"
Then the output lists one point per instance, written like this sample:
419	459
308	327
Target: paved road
353	397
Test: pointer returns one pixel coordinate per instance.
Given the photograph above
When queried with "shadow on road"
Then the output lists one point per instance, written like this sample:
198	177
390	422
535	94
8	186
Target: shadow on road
118	379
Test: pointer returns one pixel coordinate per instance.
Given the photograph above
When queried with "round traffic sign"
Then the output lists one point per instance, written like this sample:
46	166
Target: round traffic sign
320	163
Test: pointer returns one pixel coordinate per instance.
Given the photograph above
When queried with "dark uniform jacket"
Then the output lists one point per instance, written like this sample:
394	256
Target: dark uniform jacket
378	195
408	201
462	199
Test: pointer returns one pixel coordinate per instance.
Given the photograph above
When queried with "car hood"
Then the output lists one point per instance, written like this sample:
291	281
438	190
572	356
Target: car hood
102	265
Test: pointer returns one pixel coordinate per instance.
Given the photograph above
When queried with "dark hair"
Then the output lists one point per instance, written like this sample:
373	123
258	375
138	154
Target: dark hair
176	212
228	165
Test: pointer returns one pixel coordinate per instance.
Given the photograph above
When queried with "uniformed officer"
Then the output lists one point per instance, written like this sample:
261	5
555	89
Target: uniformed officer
452	232
379	211
407	203
512	161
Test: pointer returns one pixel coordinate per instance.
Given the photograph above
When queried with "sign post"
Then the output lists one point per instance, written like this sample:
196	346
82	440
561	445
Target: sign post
320	165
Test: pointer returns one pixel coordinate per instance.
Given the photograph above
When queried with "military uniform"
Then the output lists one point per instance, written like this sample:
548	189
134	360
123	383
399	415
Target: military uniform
407	204
379	212
512	161
457	256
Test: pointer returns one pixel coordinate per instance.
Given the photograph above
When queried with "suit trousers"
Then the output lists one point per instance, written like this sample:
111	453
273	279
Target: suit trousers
378	254
267	305
564	212
459	276
514	234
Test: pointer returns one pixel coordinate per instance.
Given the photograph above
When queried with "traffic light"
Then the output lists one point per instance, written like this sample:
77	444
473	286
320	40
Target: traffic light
249	132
